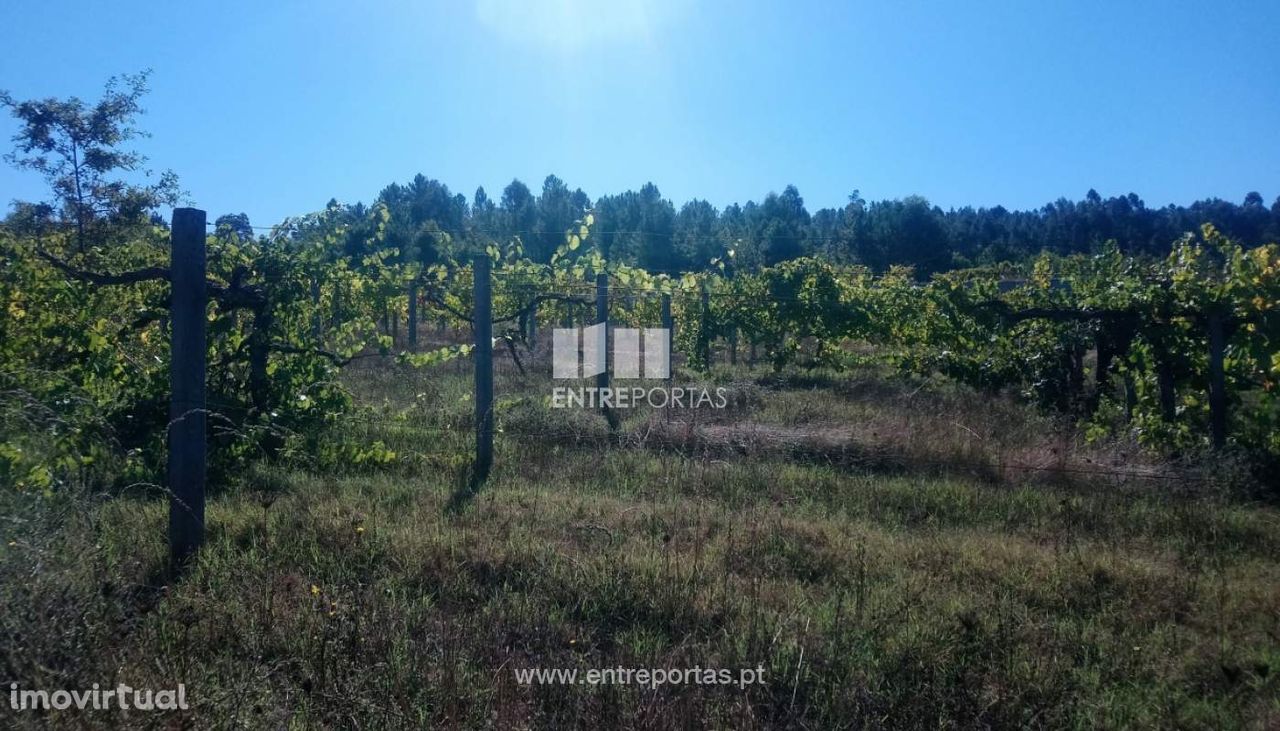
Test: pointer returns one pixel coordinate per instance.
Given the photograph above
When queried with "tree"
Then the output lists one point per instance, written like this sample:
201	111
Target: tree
518	211
614	236
555	213
430	200
233	223
656	221
638	228
78	148
908	232
1273	233
851	228
1253	218
482	212
696	241
783	226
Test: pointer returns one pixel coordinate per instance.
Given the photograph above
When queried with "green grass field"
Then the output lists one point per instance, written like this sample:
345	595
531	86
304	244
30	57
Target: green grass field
894	554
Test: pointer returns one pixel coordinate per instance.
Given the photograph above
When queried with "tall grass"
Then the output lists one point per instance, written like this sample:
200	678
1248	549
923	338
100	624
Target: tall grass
882	548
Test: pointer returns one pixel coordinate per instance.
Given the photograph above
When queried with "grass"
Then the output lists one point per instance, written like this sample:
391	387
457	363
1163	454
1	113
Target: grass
894	554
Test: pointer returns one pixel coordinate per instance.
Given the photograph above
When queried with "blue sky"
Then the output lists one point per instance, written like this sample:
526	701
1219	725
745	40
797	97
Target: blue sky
272	108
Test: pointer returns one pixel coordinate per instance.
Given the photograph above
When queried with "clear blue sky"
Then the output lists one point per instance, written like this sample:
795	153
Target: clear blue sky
272	108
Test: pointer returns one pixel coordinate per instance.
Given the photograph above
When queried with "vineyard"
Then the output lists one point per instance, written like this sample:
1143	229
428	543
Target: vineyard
654	365
994	496
1181	353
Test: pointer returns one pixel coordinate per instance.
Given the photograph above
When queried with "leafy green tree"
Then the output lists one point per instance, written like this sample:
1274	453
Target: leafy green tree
79	149
233	224
638	227
906	232
656	222
555	212
784	223
483	212
430	200
518	210
696	235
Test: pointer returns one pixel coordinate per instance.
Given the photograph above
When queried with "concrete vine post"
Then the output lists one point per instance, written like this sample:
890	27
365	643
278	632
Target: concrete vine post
602	319
1217	381
484	367
186	468
413	315
669	325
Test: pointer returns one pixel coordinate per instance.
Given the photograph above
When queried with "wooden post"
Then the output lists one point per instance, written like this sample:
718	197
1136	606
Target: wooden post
413	315
669	325
1101	369
1164	378
484	368
186	382
1130	396
1217	381
602	317
1075	376
533	327
704	335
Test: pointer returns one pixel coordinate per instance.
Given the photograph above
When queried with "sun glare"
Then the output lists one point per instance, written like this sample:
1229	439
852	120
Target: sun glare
568	25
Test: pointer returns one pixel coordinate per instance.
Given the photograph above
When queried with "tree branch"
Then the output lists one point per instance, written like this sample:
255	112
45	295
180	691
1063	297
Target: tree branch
1057	314
139	275
234	296
543	298
435	300
332	357
511	347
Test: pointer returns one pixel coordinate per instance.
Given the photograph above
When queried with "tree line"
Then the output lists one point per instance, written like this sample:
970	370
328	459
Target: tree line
430	223
84	284
80	150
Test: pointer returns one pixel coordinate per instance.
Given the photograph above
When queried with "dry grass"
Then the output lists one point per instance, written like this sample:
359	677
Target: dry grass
853	535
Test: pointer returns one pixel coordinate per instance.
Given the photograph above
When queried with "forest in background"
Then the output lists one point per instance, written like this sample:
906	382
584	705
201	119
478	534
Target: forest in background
644	229
1172	301
98	195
